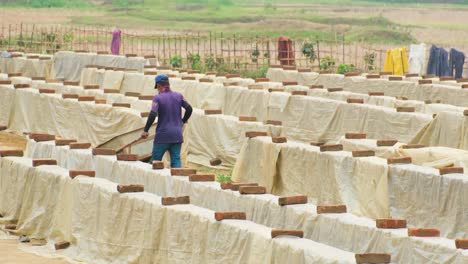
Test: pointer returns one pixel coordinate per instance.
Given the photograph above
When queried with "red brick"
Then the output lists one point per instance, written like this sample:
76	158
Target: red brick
88	173
461	243
111	91
252	134
226	185
132	94
287	83
446	78
334	147
64	141
5	82
316	86
363	153
91	87
109	68
46	91
3	128
53	81
372	76
287	232
406	109
144	114
70	96
61	245
376	93
15	74
130	188
331	209
236	185
332	90
373	258
189	78
230	215
413	146
175	200
215	162
399	160
151	73
102	52
462	80
449	170
274	122
202	177
158	165
317	144
104	151
127	157
355	135
351	74
80	145
262	79
125	105
182	171
213	112
404	98
288	200
100	101
11	153
355	101
465	112
149	56
247	118
386	142
425	82
395	78
38	78
22	85
279	139
232	75
129	55
40	162
271	90
299	93
205	80
30	57
39	137
86	98
192	71
255	87
390	223
382	73
424	232
252	190
410	75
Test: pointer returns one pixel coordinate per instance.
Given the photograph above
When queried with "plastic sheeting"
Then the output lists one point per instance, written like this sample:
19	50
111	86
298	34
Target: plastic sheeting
28	67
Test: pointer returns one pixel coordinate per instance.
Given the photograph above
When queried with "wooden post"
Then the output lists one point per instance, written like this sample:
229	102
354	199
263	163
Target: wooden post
211	52
198	46
318	53
234	48
9	36
268	51
343	45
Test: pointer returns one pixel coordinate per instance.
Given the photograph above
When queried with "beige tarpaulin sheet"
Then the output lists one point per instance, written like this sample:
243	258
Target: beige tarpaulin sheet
28	67
7	98
358	234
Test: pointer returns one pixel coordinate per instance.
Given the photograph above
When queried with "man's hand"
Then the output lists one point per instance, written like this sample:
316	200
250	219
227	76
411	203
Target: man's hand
144	135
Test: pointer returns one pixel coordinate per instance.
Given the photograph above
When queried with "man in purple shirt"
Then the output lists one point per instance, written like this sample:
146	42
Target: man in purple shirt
168	106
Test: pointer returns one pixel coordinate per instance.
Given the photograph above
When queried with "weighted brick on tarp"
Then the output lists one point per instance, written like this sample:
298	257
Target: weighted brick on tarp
461	243
363	153
151	73
230	215
232	75
287	232
175	200
146	97
325	72
425	82
355	101
132	94
236	185
158	165
205	80
332	147
252	190
406	109
130	55
390	223
372	76
386	142
80	145
289	67
202	177
262	79
279	139
248	118
404	98
189	71
91	87
61	245
104	151
21	85
316	86
399	160
383	73
71	83
14	74
275	66
299	93
413	146
100	101
424	232
144	114
351	74
355	135
317	144
11	153
373	258
10	227
252	134
149	66
46	91
111	91
188	78
32	57
287	83
255	87
39	137
64	141
183	171
462	80
86	98
213	112
376	93
331	209
410	75
450	170
332	90
446	78
288	200
226	185
210	73
3	128
53	81
304	70
38	78
127	157
130	188
5	82
271	90
40	162
395	78
465	112
124	105
88	173
274	122
149	56
70	96
215	162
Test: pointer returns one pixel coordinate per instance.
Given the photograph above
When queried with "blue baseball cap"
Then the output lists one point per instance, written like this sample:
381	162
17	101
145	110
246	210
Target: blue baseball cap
161	79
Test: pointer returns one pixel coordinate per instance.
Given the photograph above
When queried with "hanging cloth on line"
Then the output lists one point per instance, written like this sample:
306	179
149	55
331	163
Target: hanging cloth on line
396	61
115	44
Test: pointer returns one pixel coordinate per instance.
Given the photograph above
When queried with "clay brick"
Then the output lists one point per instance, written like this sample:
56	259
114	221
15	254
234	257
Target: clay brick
21	85
275	66
289	67
373	258
38	78
61	245
355	135
255	87
10	227
91	66
274	122
226	185
279	139
376	93
38	137
150	73
287	232
412	146
100	101
130	55
465	112
333	147
64	141
188	78
149	67
81	51
316	86
424	232
130	188
213	112
46	91
390	223
232	75
32	57
182	171
88	173
405	109
80	145
111	91
363	153
247	118
210	73
102	52
146	97
230	83
401	98
383	73
192	71
299	93
132	94
236	185
205	80
109	68
70	96
461	243
449	170
71	83
252	134
5	82
40	162
3	128
215	162
331	90
127	157
175	200
351	74
202	177
317	144
399	160
427	101
11	153
91	87
287	83
149	56
125	105
355	101
325	72
425	82
158	165
386	142
104	151
446	78
271	90
252	190
372	76
429	76
144	114
86	98
15	74
230	215
462	80
262	80
331	209
288	200
410	75
395	78
53	81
